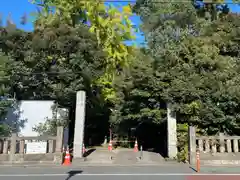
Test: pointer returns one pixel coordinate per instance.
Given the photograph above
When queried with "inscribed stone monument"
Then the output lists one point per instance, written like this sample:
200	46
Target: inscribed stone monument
171	132
79	124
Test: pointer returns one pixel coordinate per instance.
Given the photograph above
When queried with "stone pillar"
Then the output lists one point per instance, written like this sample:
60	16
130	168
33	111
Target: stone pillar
13	147
79	124
192	144
65	137
59	141
171	132
222	143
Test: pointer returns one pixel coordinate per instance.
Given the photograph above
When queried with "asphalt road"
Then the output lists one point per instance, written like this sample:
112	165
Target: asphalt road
174	172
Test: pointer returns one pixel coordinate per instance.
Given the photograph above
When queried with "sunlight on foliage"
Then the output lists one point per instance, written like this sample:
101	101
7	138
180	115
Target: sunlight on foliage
110	26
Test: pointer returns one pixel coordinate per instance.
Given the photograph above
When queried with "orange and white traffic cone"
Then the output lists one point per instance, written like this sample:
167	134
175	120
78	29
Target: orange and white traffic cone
83	149
110	145
67	158
135	146
198	161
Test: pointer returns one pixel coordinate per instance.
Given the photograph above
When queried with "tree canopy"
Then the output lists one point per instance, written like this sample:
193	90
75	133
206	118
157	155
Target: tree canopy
110	26
54	63
189	61
5	103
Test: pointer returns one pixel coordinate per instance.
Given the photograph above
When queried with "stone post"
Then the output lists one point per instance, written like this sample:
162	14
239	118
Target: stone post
79	124
5	146
65	137
222	143
59	141
171	132
13	147
192	144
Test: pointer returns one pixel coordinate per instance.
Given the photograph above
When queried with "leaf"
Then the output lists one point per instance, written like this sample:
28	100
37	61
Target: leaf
49	57
127	10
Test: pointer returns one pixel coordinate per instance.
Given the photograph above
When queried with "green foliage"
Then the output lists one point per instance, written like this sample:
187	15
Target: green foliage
192	60
213	10
140	95
4	93
182	139
36	73
55	63
110	26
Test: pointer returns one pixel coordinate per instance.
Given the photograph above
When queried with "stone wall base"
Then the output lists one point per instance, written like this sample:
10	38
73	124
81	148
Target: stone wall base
49	158
220	162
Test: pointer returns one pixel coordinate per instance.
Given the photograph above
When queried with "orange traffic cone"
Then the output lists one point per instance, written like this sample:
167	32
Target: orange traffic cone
135	146
110	145
67	159
83	149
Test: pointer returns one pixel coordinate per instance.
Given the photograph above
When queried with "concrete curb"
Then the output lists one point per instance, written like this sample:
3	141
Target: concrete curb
86	165
220	165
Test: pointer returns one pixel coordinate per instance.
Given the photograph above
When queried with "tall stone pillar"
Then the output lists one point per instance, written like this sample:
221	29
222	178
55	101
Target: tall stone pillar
192	144
79	124
171	132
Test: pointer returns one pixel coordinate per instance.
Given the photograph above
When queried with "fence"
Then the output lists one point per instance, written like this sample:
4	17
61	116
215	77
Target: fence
220	149
12	149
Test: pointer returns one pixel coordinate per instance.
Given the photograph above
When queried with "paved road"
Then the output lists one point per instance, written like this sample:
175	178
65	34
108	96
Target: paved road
171	172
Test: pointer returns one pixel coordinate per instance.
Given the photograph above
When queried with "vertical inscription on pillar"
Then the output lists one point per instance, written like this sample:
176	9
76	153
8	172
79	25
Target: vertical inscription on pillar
79	124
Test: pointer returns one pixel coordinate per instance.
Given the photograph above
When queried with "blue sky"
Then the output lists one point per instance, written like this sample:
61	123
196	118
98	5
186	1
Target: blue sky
17	8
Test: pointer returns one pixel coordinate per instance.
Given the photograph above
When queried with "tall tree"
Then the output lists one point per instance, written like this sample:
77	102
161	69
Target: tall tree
213	10
193	68
5	103
110	26
55	63
141	95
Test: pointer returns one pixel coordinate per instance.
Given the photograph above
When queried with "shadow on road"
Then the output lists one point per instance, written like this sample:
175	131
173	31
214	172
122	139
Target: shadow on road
73	173
193	168
89	152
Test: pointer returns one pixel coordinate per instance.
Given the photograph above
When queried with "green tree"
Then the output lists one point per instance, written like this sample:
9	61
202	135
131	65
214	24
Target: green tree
36	73
110	26
5	103
55	63
213	10
141	95
195	72
196	61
